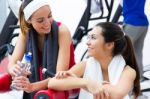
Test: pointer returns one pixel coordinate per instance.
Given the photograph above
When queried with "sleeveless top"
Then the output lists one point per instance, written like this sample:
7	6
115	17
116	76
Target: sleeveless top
93	71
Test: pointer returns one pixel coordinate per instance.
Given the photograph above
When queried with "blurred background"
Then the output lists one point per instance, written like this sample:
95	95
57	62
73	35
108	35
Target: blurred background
80	16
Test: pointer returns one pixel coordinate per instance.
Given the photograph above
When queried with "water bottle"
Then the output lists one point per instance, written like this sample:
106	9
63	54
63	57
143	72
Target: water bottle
25	65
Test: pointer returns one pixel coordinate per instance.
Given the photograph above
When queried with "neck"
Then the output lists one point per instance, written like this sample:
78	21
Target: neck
105	61
41	41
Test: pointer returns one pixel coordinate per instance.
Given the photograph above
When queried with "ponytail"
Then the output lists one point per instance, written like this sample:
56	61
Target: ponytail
122	45
130	58
24	25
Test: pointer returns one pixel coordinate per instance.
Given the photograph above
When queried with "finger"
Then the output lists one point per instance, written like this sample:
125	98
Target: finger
98	96
17	85
60	75
101	95
65	74
57	76
105	82
72	74
18	65
94	96
13	74
21	86
106	94
20	79
16	70
27	73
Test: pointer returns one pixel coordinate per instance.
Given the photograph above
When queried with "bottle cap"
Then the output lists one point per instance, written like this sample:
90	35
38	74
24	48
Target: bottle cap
28	56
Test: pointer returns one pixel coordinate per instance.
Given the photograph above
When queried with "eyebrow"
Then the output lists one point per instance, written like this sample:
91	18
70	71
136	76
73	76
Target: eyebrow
92	34
50	13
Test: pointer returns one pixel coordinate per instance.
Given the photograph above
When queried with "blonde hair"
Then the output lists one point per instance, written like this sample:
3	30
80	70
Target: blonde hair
24	25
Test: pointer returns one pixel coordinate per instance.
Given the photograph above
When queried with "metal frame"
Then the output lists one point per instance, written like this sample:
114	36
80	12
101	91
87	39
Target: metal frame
82	28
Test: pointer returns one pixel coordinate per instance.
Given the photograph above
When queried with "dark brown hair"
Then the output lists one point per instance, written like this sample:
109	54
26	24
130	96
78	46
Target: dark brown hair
122	45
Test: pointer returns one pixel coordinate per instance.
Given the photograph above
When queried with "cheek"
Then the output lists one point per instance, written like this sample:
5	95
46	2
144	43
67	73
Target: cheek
37	27
99	47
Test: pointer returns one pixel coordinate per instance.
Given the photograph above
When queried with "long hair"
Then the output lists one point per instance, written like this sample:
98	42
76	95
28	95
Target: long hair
122	45
24	25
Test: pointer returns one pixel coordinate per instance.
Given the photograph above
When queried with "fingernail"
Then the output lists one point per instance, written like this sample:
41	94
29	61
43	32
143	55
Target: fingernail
107	94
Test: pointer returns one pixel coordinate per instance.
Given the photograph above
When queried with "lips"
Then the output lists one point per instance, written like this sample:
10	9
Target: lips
46	29
89	48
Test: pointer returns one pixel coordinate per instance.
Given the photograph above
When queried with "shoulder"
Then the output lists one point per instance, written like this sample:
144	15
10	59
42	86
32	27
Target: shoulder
64	34
63	28
130	71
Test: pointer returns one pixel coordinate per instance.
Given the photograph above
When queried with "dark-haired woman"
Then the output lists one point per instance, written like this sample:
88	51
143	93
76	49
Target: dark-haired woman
111	71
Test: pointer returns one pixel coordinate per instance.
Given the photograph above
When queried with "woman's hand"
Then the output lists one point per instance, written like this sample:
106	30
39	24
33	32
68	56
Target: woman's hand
22	83
15	70
64	74
96	88
102	94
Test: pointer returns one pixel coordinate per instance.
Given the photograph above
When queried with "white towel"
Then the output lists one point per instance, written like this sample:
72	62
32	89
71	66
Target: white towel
93	71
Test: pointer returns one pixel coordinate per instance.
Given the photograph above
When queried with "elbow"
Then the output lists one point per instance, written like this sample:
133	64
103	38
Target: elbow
118	95
115	92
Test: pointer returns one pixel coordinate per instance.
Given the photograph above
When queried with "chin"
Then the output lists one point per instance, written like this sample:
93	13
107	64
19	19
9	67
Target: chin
46	32
90	54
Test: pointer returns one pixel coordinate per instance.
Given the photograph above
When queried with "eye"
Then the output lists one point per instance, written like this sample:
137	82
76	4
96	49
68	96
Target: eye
40	20
93	37
49	16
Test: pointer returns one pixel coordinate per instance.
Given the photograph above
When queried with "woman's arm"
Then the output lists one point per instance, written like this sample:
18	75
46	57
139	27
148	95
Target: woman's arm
23	83
125	84
69	82
64	48
17	55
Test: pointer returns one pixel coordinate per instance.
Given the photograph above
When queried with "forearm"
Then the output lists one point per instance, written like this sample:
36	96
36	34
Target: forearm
114	91
67	83
11	69
39	85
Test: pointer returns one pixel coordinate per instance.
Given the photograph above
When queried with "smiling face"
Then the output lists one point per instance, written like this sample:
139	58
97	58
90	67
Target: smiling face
41	20
96	43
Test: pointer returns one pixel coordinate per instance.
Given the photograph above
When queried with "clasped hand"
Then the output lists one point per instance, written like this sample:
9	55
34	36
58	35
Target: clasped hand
22	83
19	76
94	87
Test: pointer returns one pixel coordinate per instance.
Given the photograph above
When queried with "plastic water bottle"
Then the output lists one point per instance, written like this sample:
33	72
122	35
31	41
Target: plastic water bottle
25	65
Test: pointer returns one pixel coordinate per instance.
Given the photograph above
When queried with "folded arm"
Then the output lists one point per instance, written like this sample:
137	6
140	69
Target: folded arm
124	86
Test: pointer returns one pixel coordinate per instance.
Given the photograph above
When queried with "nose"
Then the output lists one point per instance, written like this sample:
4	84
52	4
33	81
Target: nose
47	22
88	42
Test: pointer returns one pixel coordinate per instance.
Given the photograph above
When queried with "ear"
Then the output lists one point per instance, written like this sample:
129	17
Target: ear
110	45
